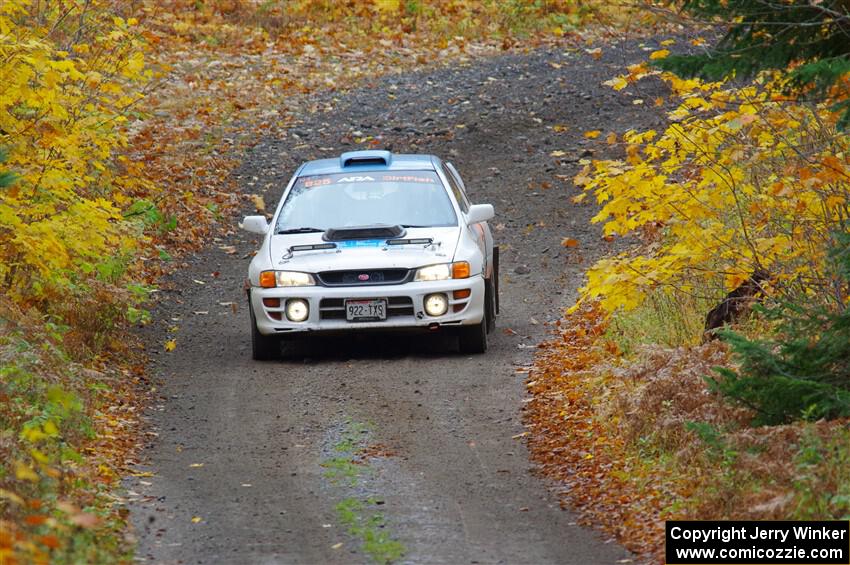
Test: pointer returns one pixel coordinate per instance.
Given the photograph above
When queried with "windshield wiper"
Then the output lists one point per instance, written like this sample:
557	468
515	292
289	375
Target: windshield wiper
299	230
413	226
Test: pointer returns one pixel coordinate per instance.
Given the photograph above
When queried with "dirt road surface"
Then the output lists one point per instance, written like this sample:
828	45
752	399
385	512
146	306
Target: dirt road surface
243	463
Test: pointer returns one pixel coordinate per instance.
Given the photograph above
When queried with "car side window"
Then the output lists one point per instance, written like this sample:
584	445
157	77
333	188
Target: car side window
456	189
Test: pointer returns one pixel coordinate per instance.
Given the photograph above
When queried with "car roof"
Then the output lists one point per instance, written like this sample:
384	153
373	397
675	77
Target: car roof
369	160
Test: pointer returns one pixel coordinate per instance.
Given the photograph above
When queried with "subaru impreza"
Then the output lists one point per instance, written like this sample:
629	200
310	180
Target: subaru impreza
373	240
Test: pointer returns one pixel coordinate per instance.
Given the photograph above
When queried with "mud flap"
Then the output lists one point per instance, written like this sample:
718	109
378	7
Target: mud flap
496	276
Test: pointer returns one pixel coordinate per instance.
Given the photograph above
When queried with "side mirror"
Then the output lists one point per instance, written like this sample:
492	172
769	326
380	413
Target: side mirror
480	213
255	224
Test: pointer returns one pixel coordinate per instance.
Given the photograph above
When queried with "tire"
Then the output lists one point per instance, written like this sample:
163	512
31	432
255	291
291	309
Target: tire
490	305
473	339
263	347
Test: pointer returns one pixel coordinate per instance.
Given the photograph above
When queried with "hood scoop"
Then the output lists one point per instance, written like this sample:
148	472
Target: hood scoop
363	232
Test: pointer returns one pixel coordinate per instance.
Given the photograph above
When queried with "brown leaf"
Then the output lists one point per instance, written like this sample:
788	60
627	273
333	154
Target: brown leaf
85	520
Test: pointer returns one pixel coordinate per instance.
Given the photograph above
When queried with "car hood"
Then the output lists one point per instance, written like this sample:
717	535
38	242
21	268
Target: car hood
364	254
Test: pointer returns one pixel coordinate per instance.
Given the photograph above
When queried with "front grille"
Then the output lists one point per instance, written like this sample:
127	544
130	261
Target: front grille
365	277
334	308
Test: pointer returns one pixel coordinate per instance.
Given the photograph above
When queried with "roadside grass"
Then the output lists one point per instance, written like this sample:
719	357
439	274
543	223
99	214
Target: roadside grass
65	437
666	318
347	469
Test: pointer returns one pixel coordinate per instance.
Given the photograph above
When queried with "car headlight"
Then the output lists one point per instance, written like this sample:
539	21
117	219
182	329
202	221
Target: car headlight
271	279
444	271
434	273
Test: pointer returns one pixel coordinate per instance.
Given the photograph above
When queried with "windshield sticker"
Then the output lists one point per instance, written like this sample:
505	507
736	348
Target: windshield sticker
355	179
403	177
360	243
407	178
316	181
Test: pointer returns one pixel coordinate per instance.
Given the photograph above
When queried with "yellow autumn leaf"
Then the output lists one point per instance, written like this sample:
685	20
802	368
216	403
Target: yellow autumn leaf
11	497
388	5
50	428
259	202
660	54
33	434
24	472
135	63
617	83
593	134
170	345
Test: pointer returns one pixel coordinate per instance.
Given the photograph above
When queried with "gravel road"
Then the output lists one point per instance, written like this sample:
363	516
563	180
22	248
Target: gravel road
243	461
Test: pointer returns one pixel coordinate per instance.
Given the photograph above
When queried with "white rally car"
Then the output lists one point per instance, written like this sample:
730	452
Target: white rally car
373	240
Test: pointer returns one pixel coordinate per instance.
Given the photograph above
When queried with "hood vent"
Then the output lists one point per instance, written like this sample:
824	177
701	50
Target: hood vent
363	232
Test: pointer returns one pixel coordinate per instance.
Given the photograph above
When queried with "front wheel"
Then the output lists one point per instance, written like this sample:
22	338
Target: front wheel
263	347
473	339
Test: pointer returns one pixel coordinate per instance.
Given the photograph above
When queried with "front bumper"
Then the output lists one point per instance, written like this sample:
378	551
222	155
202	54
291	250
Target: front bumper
405	306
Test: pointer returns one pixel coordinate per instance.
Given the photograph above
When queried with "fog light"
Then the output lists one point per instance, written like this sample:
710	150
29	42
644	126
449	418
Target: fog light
297	309
436	304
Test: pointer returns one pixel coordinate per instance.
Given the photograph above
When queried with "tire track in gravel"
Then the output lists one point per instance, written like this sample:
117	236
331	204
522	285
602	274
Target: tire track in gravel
456	487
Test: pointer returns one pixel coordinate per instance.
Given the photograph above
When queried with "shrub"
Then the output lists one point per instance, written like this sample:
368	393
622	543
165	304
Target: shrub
803	372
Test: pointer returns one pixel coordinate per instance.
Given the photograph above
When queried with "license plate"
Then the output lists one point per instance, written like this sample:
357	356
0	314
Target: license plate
365	310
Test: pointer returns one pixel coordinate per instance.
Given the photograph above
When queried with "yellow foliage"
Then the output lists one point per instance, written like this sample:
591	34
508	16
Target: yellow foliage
741	180
70	73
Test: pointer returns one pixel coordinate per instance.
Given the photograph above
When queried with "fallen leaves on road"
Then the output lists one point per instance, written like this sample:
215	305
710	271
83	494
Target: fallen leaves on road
259	202
572	444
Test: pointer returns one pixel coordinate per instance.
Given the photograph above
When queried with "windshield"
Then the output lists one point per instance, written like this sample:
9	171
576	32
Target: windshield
406	198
